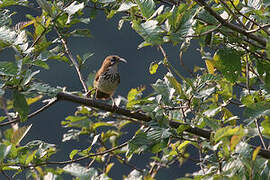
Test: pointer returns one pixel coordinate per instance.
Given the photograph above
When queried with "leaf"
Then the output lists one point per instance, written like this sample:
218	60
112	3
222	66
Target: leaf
126	6
228	61
45	6
8	69
106	1
7	36
81	172
210	66
43	89
81	33
73	153
176	85
256	110
72	134
74	7
153	67
133	96
29	75
147	7
4	151
212	111
228	131
20	105
33	100
108	168
19	134
255	153
150	31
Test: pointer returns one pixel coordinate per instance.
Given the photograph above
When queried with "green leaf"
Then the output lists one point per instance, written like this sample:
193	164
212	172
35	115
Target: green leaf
228	61
256	110
5	17
45	5
175	84
150	31
19	134
73	153
147	7
228	131
20	105
8	69
106	1
126	6
72	134
81	33
153	67
29	75
81	172
4	151
7	36
43	89
74	7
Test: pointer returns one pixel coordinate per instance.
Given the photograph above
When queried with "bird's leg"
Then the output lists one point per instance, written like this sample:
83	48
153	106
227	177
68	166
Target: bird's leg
88	94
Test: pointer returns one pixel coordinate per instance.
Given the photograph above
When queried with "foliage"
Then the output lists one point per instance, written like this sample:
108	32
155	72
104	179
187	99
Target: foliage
234	43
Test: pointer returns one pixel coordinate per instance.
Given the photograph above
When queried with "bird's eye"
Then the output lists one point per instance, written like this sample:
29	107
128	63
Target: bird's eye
113	60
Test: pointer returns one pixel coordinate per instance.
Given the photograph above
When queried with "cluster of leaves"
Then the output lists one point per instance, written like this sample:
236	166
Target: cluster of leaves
234	43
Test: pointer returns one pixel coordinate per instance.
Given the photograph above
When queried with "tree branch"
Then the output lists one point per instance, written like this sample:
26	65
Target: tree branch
234	27
143	117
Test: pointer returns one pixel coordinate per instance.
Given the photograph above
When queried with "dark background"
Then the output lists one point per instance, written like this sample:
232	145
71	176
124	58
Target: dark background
106	40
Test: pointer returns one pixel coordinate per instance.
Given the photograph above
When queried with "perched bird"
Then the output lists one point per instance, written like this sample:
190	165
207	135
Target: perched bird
107	78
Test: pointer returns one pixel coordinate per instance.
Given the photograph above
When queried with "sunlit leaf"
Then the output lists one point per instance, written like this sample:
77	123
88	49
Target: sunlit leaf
153	67
126	6
81	172
19	134
73	153
146	7
210	66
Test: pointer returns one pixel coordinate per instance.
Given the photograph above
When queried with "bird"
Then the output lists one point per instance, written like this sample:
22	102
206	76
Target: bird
107	78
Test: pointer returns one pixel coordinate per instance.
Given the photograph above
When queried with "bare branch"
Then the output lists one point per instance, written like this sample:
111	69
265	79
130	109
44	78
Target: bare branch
73	60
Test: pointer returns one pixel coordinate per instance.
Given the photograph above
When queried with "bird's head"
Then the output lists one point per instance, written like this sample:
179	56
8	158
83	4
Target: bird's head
113	60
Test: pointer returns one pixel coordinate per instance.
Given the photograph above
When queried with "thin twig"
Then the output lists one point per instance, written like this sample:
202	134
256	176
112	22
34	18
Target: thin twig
72	59
229	25
74	160
32	114
260	133
204	33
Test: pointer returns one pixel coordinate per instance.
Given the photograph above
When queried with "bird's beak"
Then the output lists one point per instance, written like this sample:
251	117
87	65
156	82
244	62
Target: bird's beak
122	60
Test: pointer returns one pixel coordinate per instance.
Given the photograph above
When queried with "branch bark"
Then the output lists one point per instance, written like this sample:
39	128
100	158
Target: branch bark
143	117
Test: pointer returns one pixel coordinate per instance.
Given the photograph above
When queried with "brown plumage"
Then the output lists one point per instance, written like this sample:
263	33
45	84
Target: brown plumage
107	78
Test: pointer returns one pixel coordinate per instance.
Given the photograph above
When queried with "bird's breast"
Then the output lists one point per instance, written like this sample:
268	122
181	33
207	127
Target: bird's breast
108	82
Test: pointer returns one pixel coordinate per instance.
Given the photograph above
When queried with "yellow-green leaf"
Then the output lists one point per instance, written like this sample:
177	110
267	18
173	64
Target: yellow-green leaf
255	153
19	134
108	168
210	66
73	153
153	68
